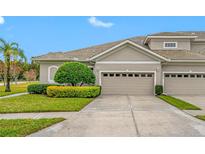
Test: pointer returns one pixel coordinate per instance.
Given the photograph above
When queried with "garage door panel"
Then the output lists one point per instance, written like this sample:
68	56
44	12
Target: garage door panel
130	83
185	84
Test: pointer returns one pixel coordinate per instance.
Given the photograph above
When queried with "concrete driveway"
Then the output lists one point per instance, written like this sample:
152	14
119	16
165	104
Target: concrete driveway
117	115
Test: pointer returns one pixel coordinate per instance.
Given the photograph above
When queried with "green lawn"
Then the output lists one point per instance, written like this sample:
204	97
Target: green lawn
178	103
24	127
19	88
202	117
41	103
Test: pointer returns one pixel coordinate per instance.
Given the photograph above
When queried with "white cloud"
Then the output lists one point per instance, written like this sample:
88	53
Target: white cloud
98	23
2	20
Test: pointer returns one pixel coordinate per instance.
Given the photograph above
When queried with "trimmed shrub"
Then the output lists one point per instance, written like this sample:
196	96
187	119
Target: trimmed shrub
71	91
158	89
74	73
38	88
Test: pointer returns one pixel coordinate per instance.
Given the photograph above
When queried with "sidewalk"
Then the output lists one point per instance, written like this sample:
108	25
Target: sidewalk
14	95
1	84
37	115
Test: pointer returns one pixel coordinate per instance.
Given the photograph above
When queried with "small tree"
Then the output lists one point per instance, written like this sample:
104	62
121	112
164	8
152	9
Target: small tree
35	66
15	71
74	73
10	52
2	70
30	75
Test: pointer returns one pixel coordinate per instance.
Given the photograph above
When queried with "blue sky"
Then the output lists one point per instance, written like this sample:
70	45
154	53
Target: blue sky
40	35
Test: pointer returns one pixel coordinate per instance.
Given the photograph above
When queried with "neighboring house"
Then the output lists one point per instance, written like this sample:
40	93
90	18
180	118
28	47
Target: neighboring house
175	60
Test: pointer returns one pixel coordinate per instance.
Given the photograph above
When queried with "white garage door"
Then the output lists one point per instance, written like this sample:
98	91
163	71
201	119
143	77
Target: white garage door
127	83
184	83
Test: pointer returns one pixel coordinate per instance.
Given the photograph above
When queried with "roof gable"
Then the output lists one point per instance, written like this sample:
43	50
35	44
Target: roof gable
147	51
127	53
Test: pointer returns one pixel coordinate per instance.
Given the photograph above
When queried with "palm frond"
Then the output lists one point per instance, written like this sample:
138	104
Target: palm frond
2	45
12	51
2	49
14	44
3	42
22	55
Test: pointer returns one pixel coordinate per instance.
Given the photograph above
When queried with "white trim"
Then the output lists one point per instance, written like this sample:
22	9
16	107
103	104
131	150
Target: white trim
170	47
149	37
190	72
189	61
49	72
127	62
132	43
127	71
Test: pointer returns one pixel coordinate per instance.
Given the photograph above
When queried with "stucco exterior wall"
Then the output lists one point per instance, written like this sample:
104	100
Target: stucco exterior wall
44	70
198	47
183	67
158	44
158	68
127	53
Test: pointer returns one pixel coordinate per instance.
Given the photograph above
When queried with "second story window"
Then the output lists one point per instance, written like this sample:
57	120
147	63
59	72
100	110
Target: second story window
170	44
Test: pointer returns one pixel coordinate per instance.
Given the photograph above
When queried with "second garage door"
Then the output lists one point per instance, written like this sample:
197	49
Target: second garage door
127	83
183	84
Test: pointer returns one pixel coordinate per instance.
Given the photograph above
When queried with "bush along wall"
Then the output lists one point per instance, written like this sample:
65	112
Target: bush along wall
158	89
39	88
74	91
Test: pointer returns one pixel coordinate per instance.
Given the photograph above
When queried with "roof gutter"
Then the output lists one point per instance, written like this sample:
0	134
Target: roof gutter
59	60
189	61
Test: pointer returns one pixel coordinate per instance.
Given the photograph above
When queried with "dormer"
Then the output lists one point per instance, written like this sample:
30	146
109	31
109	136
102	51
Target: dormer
169	41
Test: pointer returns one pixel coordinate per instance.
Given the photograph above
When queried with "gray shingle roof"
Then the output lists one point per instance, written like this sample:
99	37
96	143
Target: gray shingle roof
173	34
81	54
86	53
199	34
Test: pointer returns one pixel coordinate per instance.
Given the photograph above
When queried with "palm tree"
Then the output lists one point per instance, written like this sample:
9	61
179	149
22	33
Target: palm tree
11	52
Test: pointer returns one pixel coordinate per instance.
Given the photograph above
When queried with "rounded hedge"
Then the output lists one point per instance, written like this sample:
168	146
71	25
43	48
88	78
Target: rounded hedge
71	91
158	89
74	73
38	88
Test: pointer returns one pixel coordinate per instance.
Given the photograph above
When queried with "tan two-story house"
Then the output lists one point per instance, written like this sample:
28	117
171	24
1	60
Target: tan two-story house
134	66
